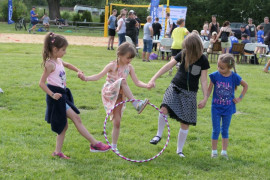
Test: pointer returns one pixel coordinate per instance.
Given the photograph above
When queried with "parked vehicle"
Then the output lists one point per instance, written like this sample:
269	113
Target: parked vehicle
235	26
93	10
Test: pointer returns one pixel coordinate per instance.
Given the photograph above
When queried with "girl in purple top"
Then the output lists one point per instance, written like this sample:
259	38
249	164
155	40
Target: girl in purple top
59	104
225	83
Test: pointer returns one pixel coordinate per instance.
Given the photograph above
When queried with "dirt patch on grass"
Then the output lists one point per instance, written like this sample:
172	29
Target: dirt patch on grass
39	39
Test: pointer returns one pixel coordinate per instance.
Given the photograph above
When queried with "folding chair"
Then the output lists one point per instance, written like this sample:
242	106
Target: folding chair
205	45
215	50
238	50
128	39
249	51
165	45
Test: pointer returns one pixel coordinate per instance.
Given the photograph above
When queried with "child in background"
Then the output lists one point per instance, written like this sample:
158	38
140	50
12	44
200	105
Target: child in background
60	105
225	83
116	88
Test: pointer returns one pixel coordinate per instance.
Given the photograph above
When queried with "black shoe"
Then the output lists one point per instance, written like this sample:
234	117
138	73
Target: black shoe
112	48
154	141
108	48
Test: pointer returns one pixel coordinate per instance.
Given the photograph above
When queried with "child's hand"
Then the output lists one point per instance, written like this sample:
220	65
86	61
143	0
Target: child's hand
81	76
151	85
202	104
237	100
56	96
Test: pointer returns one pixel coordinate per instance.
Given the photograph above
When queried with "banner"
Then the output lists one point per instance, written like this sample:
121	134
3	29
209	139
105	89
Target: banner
176	12
154	9
10	12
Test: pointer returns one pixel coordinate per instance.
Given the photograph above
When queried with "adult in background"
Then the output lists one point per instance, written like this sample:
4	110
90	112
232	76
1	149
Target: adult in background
131	25
169	25
33	19
137	28
245	31
111	23
224	34
266	25
46	22
147	39
121	28
214	25
156	29
252	29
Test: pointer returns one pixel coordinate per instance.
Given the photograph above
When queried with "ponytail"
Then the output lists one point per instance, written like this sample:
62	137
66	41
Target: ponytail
52	40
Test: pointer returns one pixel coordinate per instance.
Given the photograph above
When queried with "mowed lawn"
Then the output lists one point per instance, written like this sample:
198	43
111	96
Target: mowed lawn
26	141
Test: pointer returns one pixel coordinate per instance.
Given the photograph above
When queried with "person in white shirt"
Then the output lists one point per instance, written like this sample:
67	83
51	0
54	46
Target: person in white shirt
169	25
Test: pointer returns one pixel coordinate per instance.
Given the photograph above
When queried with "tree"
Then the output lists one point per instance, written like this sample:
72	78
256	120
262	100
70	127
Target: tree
54	8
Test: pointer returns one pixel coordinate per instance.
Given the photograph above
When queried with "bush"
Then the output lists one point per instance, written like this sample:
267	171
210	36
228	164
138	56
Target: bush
86	15
66	15
102	17
76	17
19	10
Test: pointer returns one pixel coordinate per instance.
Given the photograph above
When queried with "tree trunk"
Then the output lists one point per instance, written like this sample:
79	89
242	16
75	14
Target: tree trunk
54	9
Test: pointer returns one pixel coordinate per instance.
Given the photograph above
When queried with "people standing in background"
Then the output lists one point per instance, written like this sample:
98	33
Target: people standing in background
147	39
121	28
111	23
33	19
131	25
169	25
214	25
156	31
252	29
137	28
224	34
266	25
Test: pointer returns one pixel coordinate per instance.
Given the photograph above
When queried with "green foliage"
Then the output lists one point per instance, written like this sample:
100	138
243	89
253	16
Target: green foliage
101	17
19	10
66	15
86	15
77	17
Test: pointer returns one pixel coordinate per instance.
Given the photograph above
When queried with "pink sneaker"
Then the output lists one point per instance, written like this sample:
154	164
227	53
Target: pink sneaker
60	155
99	147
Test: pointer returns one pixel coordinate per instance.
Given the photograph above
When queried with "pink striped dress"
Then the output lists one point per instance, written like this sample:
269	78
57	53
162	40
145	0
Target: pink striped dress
111	90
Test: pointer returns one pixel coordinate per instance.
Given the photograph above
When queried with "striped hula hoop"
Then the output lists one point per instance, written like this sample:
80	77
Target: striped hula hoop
125	158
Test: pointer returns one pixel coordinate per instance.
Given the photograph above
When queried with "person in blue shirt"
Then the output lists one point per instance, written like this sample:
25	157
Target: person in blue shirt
245	31
225	83
33	19
111	23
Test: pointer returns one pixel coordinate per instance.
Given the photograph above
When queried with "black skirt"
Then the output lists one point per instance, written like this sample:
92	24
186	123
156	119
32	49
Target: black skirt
181	104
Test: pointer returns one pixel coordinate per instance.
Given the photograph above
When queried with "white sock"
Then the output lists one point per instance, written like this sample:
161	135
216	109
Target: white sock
135	103
223	152
214	151
114	146
182	136
161	124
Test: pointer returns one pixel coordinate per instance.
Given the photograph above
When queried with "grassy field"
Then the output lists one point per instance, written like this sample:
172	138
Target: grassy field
26	141
67	31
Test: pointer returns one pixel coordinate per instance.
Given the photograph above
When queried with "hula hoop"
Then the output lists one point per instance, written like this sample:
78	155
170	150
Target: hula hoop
132	160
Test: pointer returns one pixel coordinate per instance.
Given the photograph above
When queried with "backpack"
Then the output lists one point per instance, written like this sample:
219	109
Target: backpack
224	36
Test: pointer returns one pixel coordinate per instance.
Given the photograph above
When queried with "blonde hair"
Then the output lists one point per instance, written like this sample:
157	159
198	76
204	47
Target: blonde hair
192	49
229	60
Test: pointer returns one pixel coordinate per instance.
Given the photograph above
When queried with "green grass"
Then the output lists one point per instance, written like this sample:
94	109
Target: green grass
67	31
26	139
